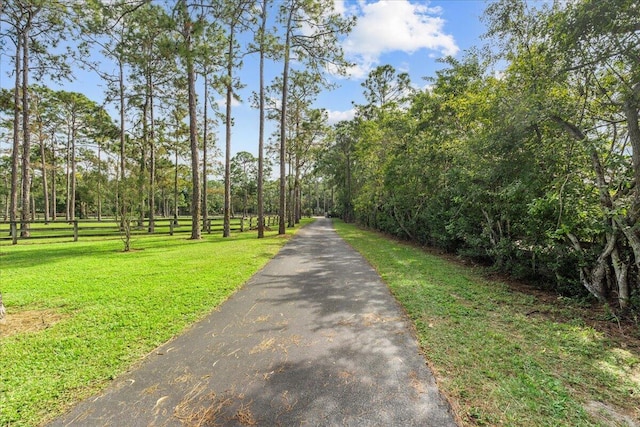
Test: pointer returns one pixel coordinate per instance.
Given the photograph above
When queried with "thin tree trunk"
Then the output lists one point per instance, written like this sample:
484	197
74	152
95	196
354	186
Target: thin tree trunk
195	160
120	196
143	161
67	176
73	170
15	153
175	188
32	203
205	137
6	198
291	204
121	202
633	129
227	158
297	212
152	160
45	187
263	28
621	269
26	137
283	120
54	197
349	217
593	278
99	186
632	237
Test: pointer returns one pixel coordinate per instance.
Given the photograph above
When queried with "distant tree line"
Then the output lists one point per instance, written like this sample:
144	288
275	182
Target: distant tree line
534	169
66	154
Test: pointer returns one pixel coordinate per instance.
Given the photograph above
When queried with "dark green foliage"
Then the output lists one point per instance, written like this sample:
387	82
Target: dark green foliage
533	173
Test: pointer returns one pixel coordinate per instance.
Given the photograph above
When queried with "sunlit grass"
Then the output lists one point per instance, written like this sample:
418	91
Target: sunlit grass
495	357
103	309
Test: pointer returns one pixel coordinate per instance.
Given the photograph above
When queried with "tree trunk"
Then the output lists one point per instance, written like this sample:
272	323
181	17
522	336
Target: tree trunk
152	162
205	137
283	122
67	176
195	158
227	158
45	187
121	202
54	197
245	201
290	184
297	192
32	202
73	170
349	215
15	153
632	238
99	186
621	269
7	198
143	161
633	129
26	137
593	278
263	28
175	187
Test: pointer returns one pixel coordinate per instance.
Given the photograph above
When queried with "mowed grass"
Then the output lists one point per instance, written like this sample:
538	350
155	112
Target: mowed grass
99	310
505	357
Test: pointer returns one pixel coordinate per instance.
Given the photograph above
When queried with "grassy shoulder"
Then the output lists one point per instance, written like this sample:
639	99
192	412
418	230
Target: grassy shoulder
79	314
505	357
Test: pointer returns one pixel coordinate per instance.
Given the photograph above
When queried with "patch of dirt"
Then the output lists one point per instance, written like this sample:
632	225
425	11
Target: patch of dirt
27	321
608	415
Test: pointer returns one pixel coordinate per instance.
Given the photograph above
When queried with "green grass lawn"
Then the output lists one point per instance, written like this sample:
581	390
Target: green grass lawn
92	310
505	357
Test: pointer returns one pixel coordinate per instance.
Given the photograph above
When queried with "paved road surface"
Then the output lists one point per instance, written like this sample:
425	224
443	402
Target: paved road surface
315	339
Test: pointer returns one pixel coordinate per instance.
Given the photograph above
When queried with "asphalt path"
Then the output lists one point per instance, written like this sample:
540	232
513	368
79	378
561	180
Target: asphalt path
315	338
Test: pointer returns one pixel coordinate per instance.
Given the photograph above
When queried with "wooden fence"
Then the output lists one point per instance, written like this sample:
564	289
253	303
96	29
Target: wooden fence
76	229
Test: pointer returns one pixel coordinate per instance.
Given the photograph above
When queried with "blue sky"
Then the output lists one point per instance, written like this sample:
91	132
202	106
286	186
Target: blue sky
409	35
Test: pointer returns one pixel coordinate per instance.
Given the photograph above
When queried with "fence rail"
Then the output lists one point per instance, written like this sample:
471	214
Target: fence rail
76	229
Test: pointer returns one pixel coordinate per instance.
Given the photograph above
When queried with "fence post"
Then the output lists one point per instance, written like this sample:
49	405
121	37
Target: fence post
14	232
242	224
75	230
171	228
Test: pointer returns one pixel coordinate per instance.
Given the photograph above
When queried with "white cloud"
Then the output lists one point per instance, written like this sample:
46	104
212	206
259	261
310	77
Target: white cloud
222	102
395	25
338	116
